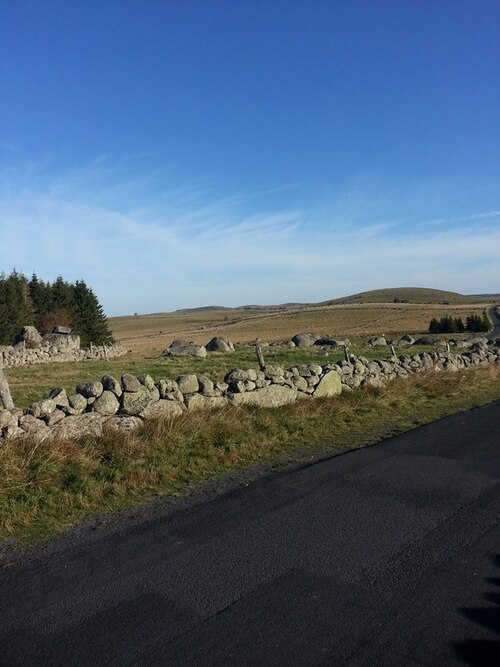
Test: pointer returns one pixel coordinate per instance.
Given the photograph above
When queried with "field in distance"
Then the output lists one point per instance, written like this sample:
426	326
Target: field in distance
388	311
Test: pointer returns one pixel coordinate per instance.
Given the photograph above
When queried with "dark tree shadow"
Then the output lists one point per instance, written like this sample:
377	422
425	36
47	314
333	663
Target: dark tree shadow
482	652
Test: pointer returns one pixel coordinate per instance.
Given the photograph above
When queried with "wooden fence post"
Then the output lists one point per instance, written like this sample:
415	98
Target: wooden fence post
260	356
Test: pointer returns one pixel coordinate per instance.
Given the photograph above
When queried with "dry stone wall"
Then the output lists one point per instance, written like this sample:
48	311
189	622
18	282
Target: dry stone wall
55	348
123	404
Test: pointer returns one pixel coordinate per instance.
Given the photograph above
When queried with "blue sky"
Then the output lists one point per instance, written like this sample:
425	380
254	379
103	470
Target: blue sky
183	153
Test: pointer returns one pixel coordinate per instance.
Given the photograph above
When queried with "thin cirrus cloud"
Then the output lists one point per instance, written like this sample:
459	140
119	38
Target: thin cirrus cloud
145	246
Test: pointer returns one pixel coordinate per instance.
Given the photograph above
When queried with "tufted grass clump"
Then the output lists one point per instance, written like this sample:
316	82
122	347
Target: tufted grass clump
48	486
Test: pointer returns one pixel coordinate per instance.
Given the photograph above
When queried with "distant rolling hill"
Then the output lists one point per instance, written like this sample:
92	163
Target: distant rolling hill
411	295
389	295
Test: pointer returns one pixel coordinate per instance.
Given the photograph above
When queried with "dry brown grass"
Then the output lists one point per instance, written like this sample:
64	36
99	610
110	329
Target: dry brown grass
47	487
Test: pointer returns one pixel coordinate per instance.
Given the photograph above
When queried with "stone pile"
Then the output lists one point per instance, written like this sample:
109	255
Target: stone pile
123	404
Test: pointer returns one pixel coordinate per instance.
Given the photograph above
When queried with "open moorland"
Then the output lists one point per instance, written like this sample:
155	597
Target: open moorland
391	312
147	336
49	485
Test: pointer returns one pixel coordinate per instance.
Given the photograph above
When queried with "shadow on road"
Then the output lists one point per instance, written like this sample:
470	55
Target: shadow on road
479	652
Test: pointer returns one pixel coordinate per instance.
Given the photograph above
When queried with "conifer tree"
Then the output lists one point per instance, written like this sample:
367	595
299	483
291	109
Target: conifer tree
88	316
34	302
40	298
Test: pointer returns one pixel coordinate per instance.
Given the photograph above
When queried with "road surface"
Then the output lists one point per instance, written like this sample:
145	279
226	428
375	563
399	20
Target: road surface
388	555
495	318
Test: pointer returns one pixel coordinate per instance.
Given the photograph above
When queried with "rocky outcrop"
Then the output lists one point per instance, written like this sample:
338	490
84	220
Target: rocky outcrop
220	344
427	340
28	336
377	341
305	339
183	348
327	341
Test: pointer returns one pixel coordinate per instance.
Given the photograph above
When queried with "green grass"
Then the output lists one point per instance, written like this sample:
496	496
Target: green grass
32	383
47	487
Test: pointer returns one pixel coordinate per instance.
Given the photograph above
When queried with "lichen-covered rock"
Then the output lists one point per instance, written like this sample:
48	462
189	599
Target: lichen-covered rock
54	417
11	432
124	424
188	384
273	371
183	348
238	387
60	329
110	383
199	402
377	341
78	426
268	397
130	383
305	339
30	337
34	426
134	402
90	389
206	385
58	395
106	404
61	342
299	382
147	381
78	403
162	409
406	340
235	375
220	344
167	388
5	418
329	385
41	408
427	340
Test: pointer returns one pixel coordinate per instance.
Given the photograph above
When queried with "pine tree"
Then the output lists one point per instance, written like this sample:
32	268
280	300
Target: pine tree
61	295
40	298
434	326
15	306
88	316
34	302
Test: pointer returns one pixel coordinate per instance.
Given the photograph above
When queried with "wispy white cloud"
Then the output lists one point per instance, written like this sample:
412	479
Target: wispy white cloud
488	215
147	243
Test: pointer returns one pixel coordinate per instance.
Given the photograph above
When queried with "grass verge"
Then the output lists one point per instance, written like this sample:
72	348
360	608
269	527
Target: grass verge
47	487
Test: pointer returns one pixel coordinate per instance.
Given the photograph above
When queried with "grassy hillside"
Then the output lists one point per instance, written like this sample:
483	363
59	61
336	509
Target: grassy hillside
410	295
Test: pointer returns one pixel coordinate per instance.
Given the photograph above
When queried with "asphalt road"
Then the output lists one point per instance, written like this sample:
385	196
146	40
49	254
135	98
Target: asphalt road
495	332
388	555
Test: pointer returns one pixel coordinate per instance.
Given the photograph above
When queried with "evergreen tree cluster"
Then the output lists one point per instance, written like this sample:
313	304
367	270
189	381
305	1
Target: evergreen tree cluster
42	304
448	324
